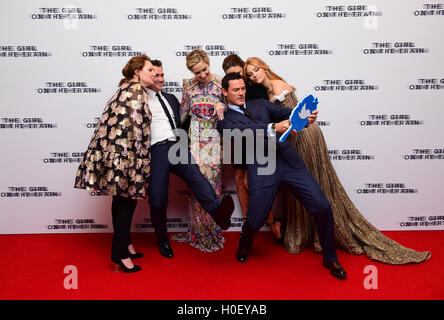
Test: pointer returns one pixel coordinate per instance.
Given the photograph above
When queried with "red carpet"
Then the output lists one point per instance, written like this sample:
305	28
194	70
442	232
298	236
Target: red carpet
32	268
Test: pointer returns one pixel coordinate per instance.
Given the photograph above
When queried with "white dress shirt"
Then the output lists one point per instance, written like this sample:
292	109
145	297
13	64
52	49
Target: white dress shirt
160	125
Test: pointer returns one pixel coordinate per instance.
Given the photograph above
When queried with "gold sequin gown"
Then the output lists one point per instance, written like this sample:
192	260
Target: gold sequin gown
353	233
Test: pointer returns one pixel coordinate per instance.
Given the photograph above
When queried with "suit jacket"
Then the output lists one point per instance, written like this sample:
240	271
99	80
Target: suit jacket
175	105
264	112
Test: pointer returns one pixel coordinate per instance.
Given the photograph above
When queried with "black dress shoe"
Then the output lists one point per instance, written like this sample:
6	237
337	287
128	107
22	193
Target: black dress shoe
242	255
335	269
223	214
166	250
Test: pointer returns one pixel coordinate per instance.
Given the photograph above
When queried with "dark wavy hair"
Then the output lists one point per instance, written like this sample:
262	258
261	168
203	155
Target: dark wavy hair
228	77
233	60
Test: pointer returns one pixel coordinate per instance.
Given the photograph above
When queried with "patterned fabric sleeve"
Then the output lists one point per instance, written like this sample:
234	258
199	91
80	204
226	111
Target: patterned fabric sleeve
218	83
135	105
185	104
223	100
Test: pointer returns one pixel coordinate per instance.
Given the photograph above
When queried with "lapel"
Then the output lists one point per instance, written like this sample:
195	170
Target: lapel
174	107
238	116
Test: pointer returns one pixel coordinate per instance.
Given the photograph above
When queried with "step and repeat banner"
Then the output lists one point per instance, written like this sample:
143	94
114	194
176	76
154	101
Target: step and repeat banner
376	67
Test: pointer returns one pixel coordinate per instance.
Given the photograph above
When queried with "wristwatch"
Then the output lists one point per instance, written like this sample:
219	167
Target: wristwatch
273	126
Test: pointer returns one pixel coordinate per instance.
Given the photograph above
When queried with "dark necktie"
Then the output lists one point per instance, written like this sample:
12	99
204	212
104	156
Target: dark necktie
248	114
166	111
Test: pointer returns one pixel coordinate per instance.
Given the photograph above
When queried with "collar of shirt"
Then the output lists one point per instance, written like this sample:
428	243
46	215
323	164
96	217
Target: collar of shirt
152	93
236	108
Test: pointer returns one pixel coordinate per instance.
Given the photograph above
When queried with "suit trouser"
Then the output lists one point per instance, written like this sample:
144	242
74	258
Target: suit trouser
304	187
159	182
122	210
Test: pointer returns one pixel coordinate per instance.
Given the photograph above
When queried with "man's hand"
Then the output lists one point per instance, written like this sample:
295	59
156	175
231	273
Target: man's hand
219	109
282	126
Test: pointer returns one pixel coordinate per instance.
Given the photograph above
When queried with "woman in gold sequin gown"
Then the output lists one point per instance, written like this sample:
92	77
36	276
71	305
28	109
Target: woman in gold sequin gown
117	161
353	233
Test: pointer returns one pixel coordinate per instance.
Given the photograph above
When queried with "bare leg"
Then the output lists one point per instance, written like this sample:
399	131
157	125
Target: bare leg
242	189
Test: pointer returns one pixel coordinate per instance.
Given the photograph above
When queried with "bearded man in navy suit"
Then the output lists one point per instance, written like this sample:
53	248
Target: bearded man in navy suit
266	122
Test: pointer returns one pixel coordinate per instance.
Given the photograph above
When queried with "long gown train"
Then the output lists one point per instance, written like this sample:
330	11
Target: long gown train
353	233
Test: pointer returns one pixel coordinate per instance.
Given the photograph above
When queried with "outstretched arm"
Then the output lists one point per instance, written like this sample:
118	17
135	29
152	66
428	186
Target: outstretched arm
277	113
232	124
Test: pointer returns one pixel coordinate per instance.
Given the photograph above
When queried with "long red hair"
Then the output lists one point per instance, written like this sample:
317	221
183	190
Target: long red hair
259	63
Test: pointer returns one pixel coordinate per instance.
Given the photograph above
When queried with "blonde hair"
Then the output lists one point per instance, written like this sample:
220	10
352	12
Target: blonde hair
196	56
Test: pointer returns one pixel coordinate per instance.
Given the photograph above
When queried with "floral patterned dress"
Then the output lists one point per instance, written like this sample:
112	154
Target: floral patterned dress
117	161
198	100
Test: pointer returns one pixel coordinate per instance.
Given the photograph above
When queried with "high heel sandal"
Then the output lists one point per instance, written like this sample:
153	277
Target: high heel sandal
281	239
119	266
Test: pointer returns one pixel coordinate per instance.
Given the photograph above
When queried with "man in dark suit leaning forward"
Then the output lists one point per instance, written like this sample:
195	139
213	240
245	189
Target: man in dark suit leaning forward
266	121
164	125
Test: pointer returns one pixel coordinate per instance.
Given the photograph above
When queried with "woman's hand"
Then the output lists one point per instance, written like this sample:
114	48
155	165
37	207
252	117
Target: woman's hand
313	116
219	109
